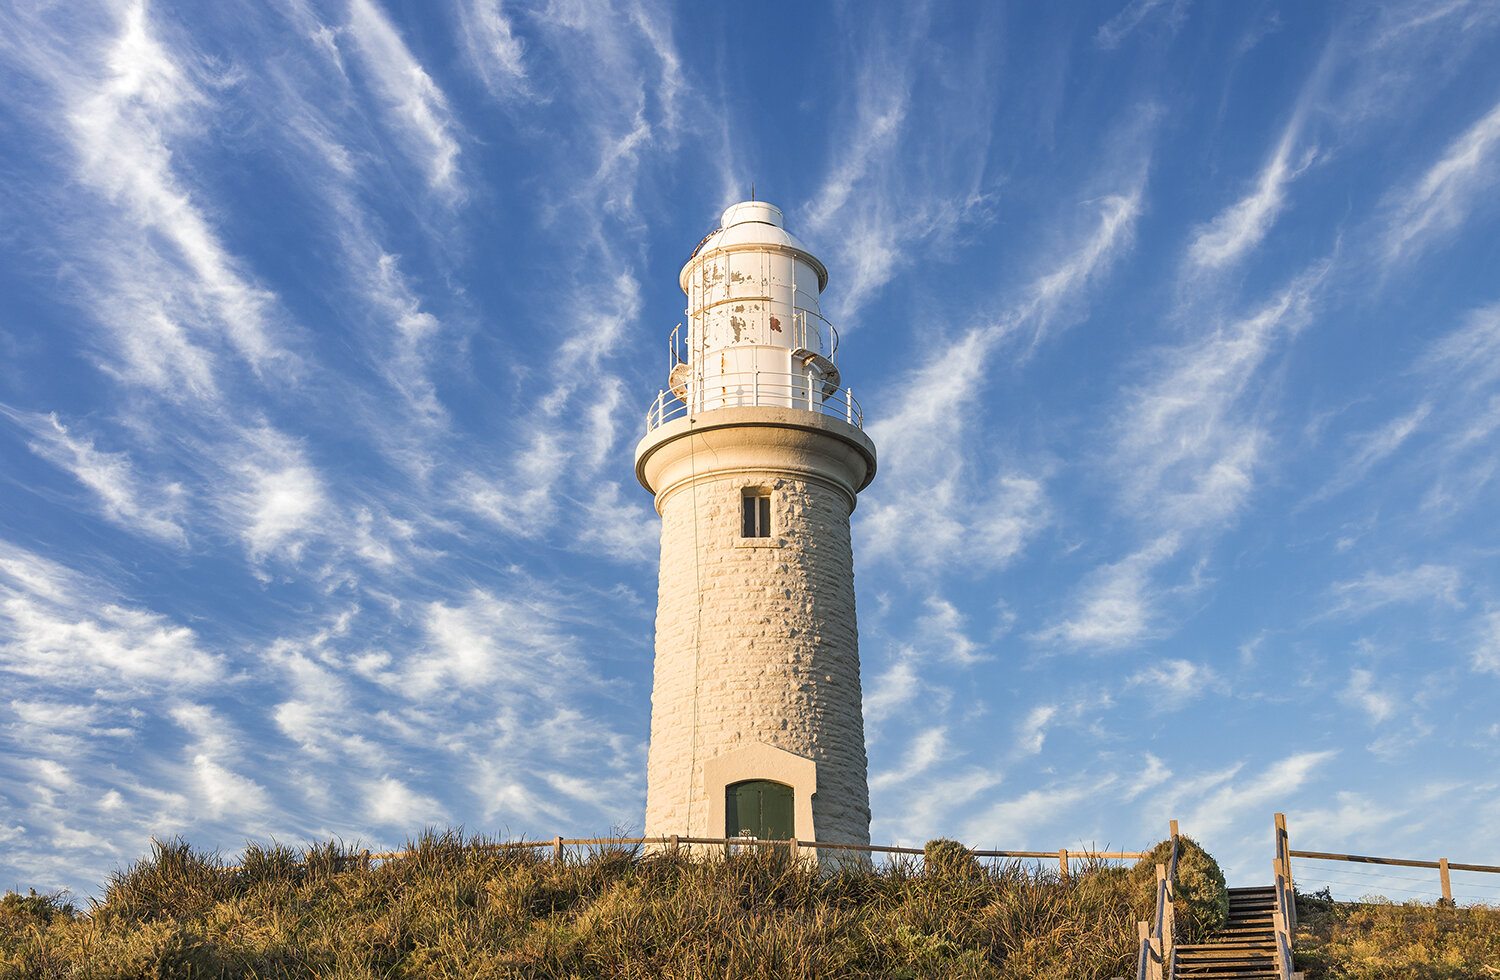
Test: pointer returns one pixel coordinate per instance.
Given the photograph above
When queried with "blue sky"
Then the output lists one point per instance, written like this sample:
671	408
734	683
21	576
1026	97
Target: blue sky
327	331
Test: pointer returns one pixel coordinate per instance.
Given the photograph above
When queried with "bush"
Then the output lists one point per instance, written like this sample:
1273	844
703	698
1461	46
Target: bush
943	858
41	908
1202	899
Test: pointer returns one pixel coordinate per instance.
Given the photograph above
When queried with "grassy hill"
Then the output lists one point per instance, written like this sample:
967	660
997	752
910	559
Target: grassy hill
453	909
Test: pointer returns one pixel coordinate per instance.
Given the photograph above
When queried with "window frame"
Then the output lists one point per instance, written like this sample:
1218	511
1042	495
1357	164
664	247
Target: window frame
755	513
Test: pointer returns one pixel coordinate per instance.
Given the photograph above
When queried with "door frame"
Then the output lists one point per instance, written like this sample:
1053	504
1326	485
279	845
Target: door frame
757	760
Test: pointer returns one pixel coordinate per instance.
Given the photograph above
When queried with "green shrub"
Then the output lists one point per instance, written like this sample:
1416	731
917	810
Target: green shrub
943	858
40	908
1202	900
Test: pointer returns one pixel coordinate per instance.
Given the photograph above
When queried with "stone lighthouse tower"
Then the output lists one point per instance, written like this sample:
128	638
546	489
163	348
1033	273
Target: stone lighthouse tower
755	454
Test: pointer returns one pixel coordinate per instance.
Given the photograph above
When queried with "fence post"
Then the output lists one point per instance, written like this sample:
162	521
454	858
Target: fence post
557	852
792	849
1173	825
364	860
1168	914
1283	848
674	845
1284	862
1447	885
1062	863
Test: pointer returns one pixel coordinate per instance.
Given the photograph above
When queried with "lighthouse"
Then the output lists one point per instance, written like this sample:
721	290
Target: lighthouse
755	453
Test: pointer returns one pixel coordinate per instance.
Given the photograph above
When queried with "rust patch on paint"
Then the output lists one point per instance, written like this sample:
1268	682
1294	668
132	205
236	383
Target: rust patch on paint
775	324
737	323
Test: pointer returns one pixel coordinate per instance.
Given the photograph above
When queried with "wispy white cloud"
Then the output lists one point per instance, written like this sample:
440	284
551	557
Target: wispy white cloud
411	331
911	812
1372	448
624	528
1243	225
1347	818
885	198
1435	584
494	51
217	788
1116	604
277	498
1470	354
1031	733
930	509
417	108
1364	693
927	750
127	498
942	630
1223	806
1485	654
1446	195
1174	682
898	685
935	509
1033	812
62	627
159	277
1050	294
1121	25
390	803
521	499
1188	444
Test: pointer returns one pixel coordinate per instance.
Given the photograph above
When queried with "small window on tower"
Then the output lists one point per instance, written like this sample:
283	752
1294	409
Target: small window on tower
756	511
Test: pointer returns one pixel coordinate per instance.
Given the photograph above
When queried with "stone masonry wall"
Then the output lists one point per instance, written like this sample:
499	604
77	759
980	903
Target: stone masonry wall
756	641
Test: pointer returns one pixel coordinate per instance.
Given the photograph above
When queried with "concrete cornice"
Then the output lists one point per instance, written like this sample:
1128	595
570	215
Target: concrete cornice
755	439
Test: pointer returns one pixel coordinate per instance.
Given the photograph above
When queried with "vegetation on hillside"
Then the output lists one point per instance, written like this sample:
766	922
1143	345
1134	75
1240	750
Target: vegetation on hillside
471	908
451	909
1379	940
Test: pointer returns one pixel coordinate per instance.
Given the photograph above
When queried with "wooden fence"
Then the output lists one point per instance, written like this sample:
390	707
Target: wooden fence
559	846
1441	865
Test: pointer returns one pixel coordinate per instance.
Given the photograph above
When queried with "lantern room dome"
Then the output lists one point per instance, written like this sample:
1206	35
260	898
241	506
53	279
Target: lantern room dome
752	225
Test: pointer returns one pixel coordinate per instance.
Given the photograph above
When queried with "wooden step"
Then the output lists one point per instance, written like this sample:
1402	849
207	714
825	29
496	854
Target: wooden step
1245	949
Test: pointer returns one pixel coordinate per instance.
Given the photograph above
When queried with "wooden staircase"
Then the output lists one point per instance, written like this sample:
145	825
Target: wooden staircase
1244	948
1255	943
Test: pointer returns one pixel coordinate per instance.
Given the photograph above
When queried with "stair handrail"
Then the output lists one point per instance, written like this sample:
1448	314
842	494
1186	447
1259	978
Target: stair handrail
1284	915
1159	939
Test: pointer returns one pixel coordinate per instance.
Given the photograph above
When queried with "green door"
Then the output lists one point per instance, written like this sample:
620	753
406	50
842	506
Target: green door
759	808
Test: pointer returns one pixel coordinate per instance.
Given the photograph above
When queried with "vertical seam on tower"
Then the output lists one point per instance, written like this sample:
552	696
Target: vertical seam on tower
697	630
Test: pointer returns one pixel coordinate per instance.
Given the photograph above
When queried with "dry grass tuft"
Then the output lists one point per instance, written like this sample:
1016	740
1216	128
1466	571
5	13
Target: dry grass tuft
1375	939
477	908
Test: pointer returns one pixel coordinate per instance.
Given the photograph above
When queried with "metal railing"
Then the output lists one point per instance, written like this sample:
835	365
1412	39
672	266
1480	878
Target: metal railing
809	330
744	389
